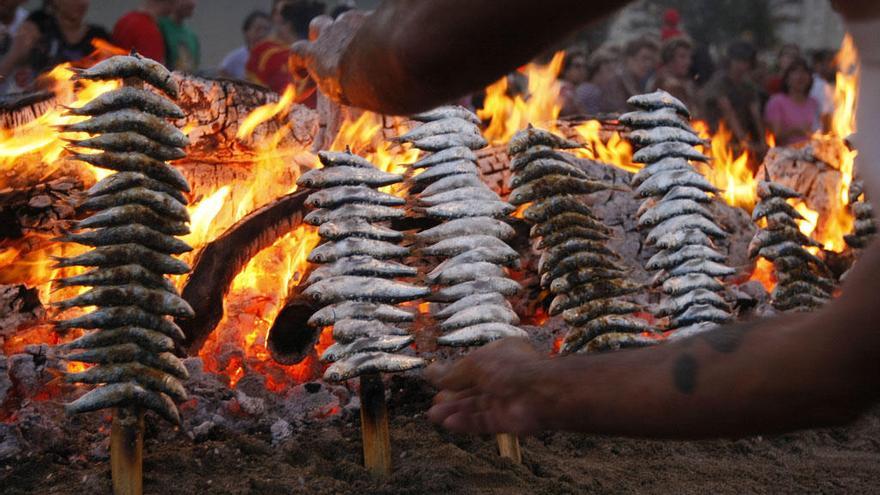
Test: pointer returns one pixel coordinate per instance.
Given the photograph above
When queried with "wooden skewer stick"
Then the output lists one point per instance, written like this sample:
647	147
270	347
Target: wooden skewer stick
374	426
127	451
508	447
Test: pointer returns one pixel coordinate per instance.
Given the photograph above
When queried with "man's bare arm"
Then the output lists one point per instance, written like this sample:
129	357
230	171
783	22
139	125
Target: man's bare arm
755	377
410	55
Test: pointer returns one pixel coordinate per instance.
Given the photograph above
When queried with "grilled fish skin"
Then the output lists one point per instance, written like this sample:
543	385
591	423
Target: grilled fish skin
541	167
347	176
147	339
539	152
119	316
122	181
580	336
768	190
664	165
467	226
700	313
131	352
464	303
500	285
575	232
676	305
596	308
357	227
125	254
130	97
384	343
440	142
450	125
669	258
677	286
371	213
119	275
161	203
149	378
370	362
662	134
707	267
137	162
458	245
543	209
125	142
356	288
480	192
133	233
576	262
551	185
663	117
680	223
329	315
483	313
662	182
583	276
598	289
470	208
343	159
657	100
155	128
356	246
556	254
532	136
669	149
684	237
119	216
768	237
349	330
479	334
155	301
447	112
665	210
444	170
451	182
340	195
493	254
452	154
773	205
465	272
132	66
125	394
687	192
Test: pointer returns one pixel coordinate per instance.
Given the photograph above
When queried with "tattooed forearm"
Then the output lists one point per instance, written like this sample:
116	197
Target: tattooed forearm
684	374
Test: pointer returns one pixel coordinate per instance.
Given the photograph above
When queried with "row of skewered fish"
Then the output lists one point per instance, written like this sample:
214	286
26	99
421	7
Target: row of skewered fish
360	261
864	227
470	281
675	214
586	278
137	212
804	282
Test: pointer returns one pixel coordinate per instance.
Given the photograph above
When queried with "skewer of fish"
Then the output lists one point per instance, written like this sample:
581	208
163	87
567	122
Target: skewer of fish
135	214
675	215
357	287
864	227
585	277
470	282
803	283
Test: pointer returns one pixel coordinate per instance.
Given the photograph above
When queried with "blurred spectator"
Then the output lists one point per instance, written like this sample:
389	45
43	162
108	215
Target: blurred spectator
792	114
572	75
182	50
54	34
139	29
671	20
268	61
639	62
601	72
12	15
702	65
787	54
674	76
733	98
255	28
824	75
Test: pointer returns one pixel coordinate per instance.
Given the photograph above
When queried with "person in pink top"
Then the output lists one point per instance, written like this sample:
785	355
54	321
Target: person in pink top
793	115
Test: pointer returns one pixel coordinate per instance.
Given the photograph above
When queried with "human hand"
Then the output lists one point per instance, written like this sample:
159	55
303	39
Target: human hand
322	54
495	389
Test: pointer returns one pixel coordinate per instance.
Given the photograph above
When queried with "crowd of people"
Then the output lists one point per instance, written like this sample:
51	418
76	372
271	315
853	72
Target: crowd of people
792	98
32	43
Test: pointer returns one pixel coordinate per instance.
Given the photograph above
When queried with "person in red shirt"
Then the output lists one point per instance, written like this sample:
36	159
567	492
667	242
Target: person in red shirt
268	61
139	30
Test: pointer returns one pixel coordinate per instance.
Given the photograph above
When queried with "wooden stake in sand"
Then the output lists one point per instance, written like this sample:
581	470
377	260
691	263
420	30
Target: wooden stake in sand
127	451
374	426
508	447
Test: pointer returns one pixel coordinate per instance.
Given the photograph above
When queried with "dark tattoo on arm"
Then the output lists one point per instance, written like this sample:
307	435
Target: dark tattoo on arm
684	374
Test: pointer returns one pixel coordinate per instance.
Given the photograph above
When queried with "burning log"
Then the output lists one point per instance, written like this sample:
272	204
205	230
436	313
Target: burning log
688	264
803	283
584	275
470	238
221	260
138	210
356	286
19	109
290	338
